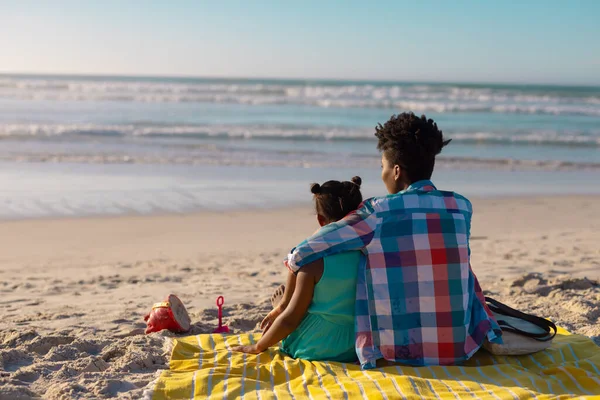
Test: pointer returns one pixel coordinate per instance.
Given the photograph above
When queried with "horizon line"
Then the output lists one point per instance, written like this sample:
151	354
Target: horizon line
293	79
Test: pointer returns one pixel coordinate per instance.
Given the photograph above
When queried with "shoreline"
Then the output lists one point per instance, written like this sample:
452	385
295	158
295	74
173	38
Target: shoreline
248	209
277	226
84	242
49	191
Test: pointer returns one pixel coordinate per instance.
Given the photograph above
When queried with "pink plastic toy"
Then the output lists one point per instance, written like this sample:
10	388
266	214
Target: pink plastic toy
222	328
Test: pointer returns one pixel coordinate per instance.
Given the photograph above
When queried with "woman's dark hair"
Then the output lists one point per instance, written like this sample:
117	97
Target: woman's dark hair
411	142
334	199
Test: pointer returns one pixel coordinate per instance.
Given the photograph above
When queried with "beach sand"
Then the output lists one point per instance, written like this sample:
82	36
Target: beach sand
74	291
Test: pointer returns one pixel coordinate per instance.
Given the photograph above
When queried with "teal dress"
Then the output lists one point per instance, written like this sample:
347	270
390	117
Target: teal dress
327	330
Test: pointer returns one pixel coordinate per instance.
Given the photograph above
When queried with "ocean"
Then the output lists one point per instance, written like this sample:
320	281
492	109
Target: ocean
92	145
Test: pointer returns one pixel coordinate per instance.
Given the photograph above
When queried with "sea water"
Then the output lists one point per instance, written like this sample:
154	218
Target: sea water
82	145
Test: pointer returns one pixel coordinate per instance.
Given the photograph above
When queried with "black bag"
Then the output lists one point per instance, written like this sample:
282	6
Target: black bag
521	333
506	317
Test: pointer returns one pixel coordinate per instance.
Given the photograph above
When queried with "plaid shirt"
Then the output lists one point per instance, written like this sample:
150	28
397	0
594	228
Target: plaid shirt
418	301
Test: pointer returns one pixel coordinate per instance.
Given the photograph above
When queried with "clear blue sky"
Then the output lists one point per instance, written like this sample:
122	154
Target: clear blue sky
481	41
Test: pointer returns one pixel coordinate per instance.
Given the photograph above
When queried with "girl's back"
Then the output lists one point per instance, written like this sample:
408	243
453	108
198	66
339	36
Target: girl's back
327	330
314	318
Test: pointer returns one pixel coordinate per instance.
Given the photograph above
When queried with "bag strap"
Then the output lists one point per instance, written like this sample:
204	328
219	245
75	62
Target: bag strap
548	326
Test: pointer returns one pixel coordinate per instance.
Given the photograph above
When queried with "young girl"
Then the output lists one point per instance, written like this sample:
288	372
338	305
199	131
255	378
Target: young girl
315	318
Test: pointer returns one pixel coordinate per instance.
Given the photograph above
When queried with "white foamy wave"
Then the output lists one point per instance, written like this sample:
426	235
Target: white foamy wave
227	131
531	138
247	158
419	98
287	132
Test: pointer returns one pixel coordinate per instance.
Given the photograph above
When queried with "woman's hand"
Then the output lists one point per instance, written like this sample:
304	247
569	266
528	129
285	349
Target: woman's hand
270	318
250	349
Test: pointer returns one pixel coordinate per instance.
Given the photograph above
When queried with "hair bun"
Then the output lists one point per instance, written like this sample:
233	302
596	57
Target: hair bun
356	180
315	188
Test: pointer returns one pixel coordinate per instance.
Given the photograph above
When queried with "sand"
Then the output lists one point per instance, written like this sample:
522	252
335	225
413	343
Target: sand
74	291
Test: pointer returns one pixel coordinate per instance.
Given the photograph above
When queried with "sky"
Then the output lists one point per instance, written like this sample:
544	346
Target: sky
530	41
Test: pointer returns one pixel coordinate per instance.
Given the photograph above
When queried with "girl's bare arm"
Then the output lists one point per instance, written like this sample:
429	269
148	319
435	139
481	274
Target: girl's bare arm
289	320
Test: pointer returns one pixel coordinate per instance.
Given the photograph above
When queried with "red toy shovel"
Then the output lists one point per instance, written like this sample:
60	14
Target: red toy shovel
222	328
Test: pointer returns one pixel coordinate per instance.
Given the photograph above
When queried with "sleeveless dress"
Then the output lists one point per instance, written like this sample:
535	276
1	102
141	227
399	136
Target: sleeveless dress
327	330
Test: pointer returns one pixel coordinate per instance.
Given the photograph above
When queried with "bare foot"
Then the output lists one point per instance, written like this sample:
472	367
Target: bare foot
277	295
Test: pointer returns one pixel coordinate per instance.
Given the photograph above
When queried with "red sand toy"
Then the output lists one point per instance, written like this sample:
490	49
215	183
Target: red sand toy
170	314
222	328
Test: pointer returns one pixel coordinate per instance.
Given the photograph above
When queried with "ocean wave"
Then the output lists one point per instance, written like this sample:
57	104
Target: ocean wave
287	132
243	158
419	98
273	132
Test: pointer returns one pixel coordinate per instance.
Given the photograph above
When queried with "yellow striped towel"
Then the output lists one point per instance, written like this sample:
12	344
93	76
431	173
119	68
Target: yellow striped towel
203	367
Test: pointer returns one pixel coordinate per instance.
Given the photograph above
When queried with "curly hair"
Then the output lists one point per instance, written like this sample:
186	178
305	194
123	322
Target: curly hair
411	142
335	199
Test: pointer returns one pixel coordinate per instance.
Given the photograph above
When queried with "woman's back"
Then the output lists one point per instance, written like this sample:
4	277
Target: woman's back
327	330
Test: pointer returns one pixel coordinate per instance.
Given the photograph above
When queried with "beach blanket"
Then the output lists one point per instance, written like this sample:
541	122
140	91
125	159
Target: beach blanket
204	367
